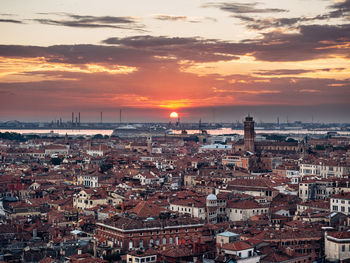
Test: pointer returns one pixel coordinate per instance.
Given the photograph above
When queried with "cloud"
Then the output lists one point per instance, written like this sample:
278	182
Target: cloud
294	71
341	9
243	8
72	20
171	18
337	10
191	48
311	42
183	18
11	21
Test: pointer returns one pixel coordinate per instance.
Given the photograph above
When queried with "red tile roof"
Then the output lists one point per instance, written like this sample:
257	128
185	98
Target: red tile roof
237	246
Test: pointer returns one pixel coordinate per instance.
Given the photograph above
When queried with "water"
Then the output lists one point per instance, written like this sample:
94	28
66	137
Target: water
60	132
211	132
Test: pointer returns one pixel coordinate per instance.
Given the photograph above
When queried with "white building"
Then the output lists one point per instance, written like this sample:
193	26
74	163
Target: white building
309	169
337	246
242	210
190	206
89	198
215	147
90	180
340	203
242	250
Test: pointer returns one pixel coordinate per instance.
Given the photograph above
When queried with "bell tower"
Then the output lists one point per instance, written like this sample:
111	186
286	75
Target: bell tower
249	134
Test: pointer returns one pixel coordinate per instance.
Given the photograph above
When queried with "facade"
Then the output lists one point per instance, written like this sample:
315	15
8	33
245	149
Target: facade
242	210
89	198
56	150
340	203
142	256
322	189
130	233
337	246
243	252
88	180
324	169
192	207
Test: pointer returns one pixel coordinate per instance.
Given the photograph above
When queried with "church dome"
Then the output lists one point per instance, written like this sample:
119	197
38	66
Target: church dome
211	197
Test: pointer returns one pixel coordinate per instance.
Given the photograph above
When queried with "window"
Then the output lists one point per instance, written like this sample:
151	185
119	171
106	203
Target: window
343	248
164	240
170	240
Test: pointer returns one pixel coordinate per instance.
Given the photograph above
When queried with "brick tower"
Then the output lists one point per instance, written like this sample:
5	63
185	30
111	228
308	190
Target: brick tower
249	134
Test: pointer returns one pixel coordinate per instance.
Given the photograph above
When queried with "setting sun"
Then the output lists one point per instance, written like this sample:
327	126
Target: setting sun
174	115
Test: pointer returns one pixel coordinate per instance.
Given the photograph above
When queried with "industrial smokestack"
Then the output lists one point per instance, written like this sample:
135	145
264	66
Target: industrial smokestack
72	118
101	117
120	116
79	119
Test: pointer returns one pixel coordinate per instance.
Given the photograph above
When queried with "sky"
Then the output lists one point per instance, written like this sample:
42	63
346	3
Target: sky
211	60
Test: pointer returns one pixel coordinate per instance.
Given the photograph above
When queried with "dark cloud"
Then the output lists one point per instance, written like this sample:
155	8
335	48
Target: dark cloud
294	71
266	23
312	42
150	41
72	20
243	8
337	10
171	18
340	10
11	21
